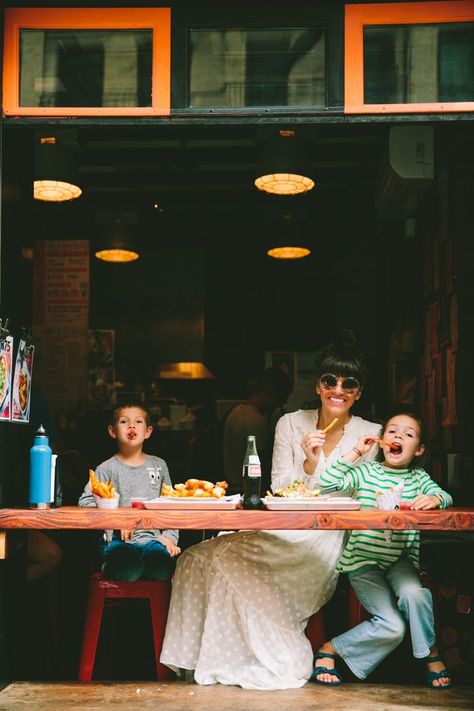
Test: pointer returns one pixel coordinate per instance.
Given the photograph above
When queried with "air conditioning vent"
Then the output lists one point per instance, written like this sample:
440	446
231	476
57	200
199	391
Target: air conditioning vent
409	172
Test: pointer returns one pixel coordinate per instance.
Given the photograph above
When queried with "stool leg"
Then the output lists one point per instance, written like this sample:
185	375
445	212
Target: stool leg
315	630
95	608
357	613
159	604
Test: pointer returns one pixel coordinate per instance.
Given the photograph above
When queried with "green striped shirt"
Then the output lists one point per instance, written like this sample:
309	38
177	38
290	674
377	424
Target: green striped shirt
369	480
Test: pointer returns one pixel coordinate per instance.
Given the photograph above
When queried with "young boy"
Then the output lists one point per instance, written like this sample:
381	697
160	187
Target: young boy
131	555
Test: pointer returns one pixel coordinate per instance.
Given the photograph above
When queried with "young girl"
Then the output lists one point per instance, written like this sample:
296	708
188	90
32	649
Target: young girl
383	569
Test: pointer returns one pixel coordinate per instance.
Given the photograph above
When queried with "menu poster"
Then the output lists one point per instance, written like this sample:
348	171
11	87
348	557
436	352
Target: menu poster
6	357
22	377
61	365
61	283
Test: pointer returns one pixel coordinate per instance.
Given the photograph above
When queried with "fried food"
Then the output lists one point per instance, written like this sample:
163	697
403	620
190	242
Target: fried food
104	489
198	488
23	389
295	490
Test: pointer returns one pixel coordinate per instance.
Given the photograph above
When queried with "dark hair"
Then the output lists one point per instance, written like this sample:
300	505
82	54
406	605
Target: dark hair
342	357
275	379
133	403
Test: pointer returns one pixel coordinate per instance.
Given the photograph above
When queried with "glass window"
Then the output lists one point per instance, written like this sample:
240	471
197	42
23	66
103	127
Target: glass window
86	68
419	63
257	67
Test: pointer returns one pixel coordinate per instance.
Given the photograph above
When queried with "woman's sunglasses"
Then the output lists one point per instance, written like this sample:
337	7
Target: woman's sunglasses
328	381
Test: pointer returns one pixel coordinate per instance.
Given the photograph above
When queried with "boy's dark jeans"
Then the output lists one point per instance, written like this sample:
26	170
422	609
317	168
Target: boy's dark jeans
131	561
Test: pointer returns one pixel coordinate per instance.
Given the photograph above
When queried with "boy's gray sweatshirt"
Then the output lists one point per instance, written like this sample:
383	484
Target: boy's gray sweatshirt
132	482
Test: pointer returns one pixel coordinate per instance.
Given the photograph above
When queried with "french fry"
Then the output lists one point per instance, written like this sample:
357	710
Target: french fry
388	444
104	489
330	425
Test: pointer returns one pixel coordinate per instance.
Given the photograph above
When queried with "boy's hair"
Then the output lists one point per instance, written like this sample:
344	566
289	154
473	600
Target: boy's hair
421	425
133	403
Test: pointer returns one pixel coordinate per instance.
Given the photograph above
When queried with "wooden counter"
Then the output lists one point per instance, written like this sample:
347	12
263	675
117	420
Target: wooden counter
74	517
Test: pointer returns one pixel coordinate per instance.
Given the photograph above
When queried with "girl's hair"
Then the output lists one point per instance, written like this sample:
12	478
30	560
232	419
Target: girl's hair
342	357
124	405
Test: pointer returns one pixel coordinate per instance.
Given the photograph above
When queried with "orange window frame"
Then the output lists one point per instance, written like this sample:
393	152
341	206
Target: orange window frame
359	16
156	19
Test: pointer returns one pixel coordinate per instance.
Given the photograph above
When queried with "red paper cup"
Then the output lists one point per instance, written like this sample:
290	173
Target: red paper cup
405	505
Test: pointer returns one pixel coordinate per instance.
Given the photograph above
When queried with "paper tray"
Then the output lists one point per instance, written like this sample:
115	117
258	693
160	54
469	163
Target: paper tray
188	502
316	503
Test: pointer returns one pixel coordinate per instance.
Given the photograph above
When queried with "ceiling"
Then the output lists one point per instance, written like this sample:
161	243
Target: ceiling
194	182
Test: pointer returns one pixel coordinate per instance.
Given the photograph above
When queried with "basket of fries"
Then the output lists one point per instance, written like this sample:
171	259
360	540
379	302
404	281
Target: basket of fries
104	493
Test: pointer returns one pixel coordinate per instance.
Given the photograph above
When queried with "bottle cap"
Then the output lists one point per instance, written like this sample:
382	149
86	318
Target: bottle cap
41	432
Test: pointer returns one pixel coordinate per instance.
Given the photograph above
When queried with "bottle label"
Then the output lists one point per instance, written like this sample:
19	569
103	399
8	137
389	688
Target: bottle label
252	470
254	459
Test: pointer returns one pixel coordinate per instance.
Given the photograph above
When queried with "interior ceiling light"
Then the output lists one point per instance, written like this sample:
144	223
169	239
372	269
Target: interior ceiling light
116	243
284	166
117	255
55	172
289	252
194	370
285	229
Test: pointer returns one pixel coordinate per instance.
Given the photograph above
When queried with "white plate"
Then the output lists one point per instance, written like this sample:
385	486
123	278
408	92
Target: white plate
311	503
190	502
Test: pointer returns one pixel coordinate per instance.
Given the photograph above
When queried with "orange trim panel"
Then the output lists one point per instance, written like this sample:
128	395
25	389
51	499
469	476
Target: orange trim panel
358	16
157	19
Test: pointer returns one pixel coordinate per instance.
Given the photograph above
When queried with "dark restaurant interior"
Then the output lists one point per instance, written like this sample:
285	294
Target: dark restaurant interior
204	290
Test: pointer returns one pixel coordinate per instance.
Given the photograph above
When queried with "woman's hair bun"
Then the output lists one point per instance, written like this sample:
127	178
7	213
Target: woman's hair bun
346	338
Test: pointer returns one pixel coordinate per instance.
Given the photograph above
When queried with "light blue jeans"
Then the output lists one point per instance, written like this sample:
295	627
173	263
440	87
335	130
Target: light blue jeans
393	597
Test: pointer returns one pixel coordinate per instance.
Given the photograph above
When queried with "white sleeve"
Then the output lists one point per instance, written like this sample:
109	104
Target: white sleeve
283	465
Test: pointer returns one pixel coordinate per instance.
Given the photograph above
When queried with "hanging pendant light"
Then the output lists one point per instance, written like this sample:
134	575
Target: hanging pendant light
284	166
116	243
288	234
55	172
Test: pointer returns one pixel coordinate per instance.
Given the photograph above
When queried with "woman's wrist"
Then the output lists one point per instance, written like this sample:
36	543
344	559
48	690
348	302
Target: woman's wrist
440	500
308	469
357	451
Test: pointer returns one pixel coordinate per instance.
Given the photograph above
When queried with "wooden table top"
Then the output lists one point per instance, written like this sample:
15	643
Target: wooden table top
74	517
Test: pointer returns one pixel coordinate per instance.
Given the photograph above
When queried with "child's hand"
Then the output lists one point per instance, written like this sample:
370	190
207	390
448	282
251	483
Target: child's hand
126	536
364	445
170	546
423	502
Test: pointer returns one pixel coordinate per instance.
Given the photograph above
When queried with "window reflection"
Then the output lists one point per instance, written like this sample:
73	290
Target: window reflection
85	68
264	67
419	63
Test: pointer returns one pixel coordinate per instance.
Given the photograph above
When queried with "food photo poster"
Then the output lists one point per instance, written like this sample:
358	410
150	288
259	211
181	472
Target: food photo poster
22	379
6	357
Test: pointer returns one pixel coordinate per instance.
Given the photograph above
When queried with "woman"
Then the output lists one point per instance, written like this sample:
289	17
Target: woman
241	602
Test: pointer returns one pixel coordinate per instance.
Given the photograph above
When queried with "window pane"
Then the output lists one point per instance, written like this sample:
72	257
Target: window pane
412	64
85	68
263	67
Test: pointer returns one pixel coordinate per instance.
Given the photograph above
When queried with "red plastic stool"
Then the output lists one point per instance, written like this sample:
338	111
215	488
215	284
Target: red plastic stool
315	630
356	613
158	593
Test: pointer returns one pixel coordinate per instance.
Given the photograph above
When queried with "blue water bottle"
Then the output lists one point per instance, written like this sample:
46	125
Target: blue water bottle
40	471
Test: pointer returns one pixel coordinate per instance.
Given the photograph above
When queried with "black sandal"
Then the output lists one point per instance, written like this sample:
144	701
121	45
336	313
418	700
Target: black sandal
325	670
431	675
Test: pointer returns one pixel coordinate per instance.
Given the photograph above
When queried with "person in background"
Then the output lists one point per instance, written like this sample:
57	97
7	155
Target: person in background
383	571
131	555
251	417
241	602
